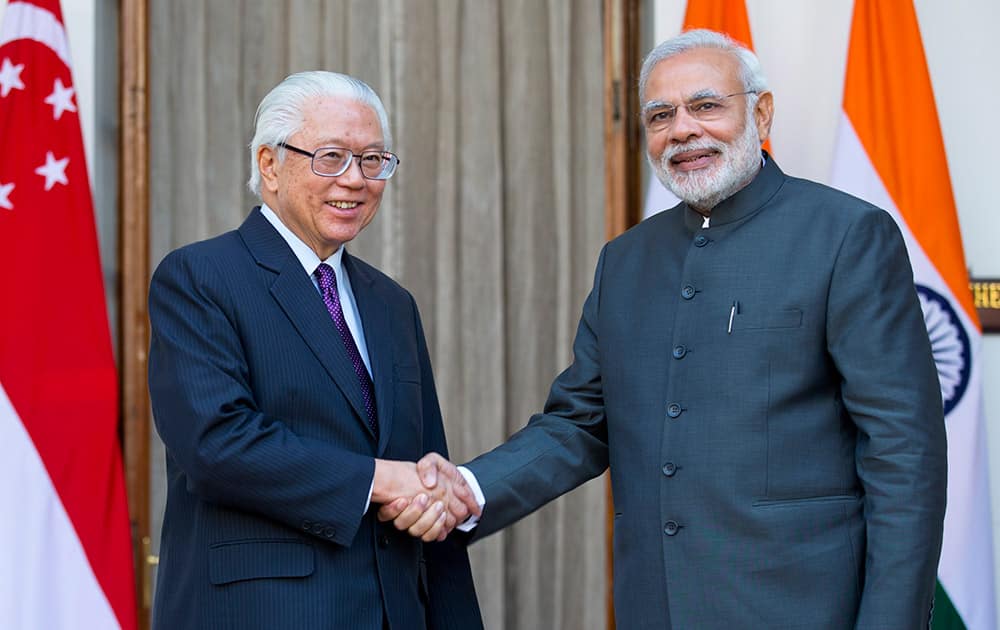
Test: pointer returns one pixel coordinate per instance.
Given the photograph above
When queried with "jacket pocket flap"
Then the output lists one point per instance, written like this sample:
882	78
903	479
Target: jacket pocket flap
406	373
786	318
254	559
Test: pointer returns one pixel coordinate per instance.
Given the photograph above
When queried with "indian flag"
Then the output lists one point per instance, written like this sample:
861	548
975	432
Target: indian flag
724	16
890	153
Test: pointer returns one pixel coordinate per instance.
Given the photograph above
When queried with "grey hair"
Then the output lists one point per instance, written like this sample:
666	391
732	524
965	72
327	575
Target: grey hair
751	74
280	113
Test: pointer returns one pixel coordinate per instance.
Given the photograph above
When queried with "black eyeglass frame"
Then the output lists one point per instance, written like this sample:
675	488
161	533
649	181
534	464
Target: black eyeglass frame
393	158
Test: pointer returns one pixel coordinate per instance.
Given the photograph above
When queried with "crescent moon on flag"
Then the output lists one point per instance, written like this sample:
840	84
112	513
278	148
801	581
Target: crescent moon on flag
26	21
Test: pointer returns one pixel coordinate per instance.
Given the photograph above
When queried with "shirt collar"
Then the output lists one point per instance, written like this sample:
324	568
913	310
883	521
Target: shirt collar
306	256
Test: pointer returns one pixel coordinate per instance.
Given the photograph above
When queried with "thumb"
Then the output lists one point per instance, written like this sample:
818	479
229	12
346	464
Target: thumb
427	468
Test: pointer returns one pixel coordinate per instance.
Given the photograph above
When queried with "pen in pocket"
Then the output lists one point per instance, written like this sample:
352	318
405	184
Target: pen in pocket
732	314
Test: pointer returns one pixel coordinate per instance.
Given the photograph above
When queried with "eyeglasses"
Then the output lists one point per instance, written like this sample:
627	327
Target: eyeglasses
334	161
659	116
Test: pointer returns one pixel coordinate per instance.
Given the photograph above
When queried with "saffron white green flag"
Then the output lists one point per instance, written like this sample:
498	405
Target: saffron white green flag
890	153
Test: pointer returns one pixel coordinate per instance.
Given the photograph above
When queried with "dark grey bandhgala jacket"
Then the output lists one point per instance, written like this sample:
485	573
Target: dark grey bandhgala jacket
764	393
269	453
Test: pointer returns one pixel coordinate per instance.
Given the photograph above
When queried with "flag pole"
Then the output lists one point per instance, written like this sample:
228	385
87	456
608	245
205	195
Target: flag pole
134	265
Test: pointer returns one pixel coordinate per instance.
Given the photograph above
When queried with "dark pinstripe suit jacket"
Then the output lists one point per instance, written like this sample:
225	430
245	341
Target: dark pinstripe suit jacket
269	458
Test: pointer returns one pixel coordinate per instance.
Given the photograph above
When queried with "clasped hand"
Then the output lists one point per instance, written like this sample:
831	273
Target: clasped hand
427	499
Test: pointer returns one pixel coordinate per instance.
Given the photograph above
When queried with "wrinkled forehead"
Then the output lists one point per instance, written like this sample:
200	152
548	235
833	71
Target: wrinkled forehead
330	118
693	74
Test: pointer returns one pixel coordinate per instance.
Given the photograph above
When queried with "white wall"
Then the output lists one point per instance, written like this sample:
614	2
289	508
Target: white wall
803	49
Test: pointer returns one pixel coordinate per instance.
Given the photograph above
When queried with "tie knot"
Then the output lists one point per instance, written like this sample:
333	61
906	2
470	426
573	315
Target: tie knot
326	277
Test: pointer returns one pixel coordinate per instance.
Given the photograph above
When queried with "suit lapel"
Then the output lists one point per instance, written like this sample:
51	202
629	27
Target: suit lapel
302	304
374	311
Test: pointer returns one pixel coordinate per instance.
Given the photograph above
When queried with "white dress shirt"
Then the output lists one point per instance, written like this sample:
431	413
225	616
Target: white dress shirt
310	261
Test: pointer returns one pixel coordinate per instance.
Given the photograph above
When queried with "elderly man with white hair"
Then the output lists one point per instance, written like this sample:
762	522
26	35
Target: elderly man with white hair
291	383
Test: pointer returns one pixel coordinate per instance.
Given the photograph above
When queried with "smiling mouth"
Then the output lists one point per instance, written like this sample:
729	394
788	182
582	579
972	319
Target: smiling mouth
691	157
344	205
694	160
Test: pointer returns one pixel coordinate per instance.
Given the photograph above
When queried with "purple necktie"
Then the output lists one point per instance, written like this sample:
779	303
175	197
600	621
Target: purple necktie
328	287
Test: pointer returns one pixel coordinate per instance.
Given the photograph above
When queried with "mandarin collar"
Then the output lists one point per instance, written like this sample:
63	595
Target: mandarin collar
744	202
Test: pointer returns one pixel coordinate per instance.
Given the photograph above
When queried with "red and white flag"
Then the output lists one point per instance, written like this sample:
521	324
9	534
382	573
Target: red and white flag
724	16
890	152
64	534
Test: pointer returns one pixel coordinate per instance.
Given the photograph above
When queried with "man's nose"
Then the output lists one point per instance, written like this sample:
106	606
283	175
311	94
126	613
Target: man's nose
685	126
352	177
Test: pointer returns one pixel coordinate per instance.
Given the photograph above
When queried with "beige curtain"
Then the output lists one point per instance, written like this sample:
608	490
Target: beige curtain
494	220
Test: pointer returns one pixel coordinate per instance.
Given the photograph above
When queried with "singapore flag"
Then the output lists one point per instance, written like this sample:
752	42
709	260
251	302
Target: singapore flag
64	534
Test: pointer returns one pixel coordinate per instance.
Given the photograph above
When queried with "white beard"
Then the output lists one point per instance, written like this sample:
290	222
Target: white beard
705	188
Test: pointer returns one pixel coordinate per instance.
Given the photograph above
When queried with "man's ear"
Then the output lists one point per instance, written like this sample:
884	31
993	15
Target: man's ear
763	115
268	165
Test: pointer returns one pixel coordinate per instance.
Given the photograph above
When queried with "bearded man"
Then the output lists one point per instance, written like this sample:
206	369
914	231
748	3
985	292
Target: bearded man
754	368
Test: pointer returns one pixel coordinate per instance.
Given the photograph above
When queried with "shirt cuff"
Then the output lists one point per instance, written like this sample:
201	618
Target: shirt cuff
368	503
473	520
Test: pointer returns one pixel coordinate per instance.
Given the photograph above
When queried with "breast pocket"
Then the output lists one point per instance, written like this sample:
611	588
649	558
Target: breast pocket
764	319
406	373
408	415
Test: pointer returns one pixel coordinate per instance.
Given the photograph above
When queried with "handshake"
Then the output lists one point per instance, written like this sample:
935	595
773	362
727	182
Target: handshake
427	499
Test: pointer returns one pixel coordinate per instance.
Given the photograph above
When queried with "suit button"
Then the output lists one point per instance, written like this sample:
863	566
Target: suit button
679	351
328	532
701	240
670	469
670	528
687	292
383	541
674	410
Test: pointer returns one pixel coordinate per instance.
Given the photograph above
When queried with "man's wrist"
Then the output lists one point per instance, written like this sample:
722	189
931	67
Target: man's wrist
385	482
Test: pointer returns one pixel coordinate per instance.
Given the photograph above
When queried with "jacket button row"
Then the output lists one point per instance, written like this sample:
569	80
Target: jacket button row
688	292
679	351
670	469
674	410
670	528
701	240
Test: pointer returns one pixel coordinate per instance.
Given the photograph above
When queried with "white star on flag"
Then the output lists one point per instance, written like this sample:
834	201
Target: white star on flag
10	77
5	196
53	170
61	99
